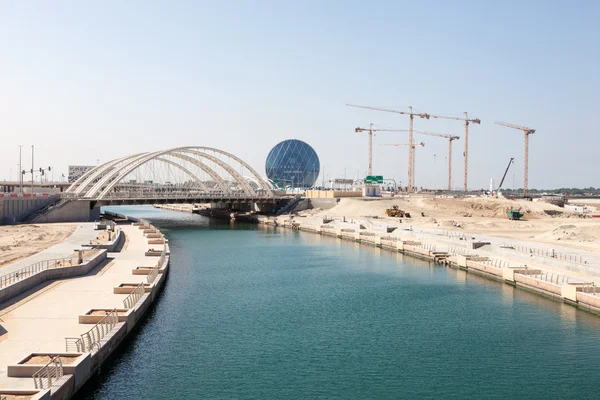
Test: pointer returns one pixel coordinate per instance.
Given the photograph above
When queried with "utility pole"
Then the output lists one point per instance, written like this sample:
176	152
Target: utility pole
411	150
527	131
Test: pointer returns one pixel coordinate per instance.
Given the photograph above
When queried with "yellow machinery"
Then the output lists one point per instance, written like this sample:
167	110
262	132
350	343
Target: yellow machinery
396	212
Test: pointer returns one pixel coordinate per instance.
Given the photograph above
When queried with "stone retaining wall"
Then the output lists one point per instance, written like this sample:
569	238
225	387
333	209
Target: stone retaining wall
32	281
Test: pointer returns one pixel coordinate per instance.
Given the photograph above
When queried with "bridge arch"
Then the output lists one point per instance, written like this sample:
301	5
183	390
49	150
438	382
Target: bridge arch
110	177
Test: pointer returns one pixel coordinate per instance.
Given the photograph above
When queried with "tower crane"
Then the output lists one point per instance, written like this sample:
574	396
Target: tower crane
370	130
411	147
527	131
466	151
422	144
450	139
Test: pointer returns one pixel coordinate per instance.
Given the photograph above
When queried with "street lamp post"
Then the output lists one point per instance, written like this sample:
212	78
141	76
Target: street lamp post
32	169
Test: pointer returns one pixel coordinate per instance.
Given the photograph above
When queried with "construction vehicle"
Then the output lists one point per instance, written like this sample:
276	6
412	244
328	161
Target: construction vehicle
514	215
396	212
527	131
510	162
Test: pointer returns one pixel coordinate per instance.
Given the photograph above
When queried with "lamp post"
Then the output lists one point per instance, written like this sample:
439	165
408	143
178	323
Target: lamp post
32	169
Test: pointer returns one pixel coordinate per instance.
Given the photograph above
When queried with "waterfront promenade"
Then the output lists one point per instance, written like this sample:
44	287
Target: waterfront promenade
40	321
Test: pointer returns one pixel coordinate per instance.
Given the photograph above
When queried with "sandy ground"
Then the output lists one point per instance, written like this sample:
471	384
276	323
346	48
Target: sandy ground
543	222
21	241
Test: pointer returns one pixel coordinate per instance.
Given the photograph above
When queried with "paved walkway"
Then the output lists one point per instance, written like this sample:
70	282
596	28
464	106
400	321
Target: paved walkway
84	232
42	321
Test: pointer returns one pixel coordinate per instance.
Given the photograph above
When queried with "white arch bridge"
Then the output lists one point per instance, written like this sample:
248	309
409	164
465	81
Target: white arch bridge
191	174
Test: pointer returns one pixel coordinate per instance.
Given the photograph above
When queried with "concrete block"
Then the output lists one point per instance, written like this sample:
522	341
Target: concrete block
569	292
94	315
31	394
508	274
72	362
476	245
128	288
461	261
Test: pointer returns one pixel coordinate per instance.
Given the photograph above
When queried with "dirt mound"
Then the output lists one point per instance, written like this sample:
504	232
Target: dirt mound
20	241
573	233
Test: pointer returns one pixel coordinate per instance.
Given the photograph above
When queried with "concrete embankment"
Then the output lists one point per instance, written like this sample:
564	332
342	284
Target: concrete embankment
580	292
57	332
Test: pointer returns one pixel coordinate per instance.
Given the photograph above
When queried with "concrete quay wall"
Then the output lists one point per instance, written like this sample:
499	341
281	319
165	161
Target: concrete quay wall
18	378
569	293
115	337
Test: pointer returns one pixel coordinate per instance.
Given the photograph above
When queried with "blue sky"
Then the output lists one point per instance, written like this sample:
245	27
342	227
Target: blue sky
86	81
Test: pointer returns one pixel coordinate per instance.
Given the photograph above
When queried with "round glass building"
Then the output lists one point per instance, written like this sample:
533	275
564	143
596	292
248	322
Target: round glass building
293	163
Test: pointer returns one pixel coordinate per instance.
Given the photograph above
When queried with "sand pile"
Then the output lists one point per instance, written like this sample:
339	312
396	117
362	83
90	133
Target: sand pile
20	241
579	234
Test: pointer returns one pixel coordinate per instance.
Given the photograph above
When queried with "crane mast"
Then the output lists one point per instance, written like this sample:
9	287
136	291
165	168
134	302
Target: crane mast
467	120
450	139
411	153
370	131
527	131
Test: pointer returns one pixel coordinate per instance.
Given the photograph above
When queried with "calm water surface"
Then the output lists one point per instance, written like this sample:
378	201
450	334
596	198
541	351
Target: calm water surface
253	313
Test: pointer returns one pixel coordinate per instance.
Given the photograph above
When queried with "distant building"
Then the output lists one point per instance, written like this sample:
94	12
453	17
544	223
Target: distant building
76	171
293	163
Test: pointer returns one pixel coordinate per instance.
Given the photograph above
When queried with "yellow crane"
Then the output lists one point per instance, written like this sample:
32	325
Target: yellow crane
422	144
449	137
527	131
467	120
370	131
411	147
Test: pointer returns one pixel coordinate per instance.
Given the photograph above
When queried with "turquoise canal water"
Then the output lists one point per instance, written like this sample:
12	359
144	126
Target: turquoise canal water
254	313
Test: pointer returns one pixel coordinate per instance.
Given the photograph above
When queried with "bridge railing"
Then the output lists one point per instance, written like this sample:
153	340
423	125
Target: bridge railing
184	194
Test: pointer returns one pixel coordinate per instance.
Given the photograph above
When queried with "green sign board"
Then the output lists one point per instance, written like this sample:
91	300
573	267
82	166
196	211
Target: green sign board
373	179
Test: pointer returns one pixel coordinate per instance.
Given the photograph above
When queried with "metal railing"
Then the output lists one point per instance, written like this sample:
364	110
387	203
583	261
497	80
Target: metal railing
572	258
124	195
74	345
94	335
134	296
52	202
496	263
43	378
152	275
19	275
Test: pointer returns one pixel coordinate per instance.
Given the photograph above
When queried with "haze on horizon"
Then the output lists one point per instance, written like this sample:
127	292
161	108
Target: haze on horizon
89	81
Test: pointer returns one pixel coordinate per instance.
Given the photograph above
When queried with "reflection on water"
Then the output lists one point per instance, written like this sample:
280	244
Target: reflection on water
257	312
